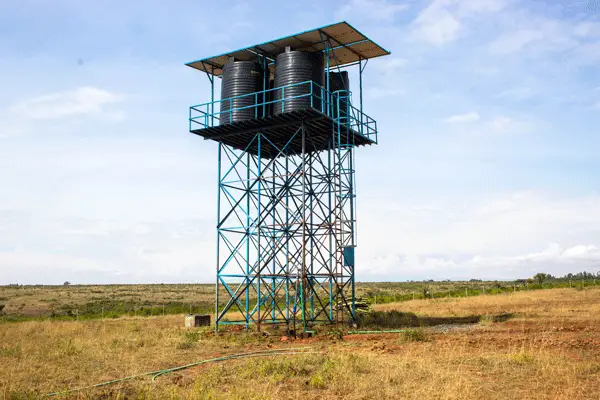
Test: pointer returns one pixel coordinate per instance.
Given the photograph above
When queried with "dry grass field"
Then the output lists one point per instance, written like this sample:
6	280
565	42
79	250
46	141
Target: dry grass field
97	301
116	300
546	347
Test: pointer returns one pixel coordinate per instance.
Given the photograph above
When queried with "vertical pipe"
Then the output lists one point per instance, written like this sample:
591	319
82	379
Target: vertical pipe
265	85
353	242
212	95
273	243
287	242
331	225
247	310
327	88
339	211
303	225
327	80
312	238
258	213
217	318
360	94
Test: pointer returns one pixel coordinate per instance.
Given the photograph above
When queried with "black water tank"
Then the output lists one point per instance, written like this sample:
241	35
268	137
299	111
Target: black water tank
270	97
296	67
339	82
239	78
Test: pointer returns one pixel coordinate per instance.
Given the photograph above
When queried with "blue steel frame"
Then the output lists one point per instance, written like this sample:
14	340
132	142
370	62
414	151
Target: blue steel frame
286	224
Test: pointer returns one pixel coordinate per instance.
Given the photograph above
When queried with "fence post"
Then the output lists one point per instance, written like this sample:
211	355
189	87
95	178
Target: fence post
102	312
466	292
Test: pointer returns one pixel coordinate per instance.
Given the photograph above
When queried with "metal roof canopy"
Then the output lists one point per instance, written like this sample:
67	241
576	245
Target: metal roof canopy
348	43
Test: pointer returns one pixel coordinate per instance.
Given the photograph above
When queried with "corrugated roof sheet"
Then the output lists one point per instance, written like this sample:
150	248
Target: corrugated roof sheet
348	44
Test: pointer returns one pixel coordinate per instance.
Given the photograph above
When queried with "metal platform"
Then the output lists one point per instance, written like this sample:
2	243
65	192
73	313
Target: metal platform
277	130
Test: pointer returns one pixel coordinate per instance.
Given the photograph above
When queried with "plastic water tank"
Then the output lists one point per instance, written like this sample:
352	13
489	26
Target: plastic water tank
241	78
339	87
295	67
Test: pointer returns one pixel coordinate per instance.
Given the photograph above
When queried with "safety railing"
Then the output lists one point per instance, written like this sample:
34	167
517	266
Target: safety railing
264	102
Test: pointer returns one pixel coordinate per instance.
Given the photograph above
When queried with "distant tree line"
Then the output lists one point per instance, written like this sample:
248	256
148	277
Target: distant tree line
542	277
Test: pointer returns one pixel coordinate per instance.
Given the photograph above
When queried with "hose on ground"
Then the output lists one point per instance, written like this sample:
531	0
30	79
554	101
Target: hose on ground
375	332
156	374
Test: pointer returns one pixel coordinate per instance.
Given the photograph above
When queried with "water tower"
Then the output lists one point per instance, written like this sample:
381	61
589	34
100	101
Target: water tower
287	126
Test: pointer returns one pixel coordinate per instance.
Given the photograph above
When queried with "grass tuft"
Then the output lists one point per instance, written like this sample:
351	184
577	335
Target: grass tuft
521	358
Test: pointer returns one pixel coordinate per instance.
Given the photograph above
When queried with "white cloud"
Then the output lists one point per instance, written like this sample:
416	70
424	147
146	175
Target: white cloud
81	101
512	42
553	259
436	25
376	10
518	93
443	20
404	238
587	54
378	92
468	117
553	256
506	125
473	124
501	124
535	35
495	238
81	250
480	6
582	252
391	64
11	127
587	29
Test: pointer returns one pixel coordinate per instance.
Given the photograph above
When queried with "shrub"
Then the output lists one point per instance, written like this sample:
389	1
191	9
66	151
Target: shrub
387	319
415	335
317	381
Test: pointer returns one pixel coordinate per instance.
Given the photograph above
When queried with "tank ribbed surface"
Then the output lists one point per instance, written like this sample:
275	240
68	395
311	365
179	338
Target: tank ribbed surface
239	78
296	67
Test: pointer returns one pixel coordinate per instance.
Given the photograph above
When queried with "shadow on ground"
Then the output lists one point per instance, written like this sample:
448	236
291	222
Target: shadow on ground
397	319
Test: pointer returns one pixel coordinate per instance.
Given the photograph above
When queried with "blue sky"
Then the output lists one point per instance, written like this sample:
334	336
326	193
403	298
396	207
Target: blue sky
488	115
